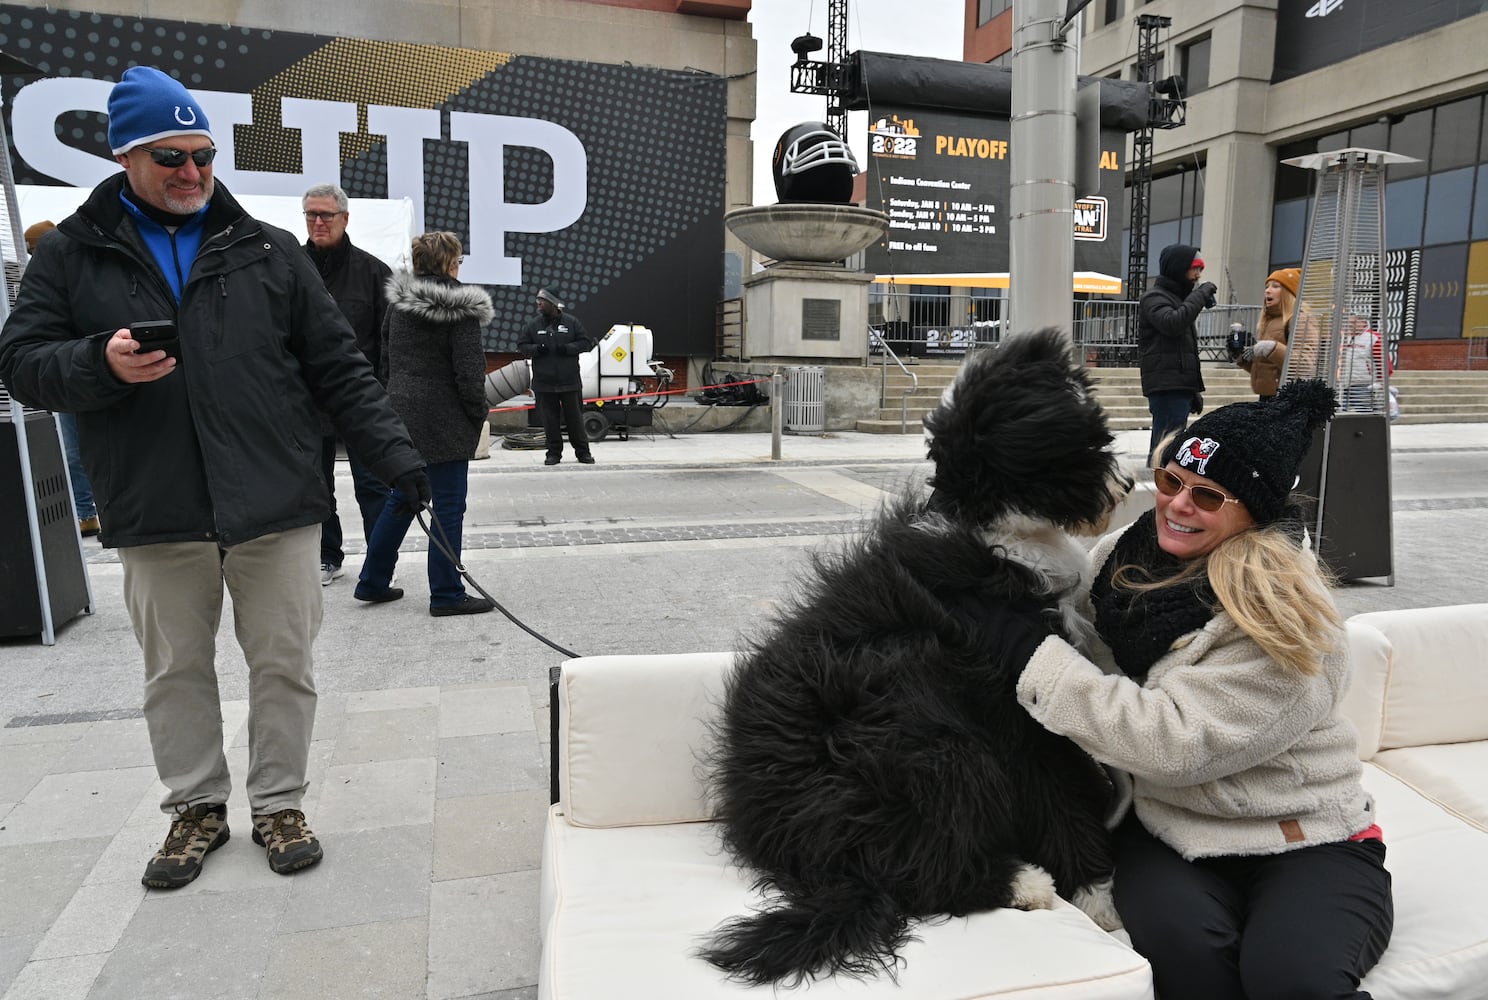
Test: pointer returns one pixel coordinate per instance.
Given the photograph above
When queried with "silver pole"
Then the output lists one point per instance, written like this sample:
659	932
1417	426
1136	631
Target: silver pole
1042	199
777	413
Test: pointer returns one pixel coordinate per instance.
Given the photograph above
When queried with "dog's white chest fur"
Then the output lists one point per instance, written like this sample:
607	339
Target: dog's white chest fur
1059	560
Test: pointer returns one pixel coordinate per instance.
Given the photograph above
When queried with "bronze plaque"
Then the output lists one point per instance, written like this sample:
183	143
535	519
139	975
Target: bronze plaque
821	319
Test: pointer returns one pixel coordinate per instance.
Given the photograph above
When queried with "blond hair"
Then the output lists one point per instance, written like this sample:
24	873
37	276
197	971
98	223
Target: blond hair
1272	587
434	253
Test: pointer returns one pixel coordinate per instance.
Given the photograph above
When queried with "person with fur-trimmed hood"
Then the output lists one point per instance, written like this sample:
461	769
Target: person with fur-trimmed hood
434	367
1168	340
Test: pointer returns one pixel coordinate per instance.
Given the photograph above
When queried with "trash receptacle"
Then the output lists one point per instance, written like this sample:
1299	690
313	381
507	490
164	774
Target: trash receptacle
43	579
805	400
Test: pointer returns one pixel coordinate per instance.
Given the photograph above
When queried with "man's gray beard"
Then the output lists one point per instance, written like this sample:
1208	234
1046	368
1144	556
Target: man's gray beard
183	207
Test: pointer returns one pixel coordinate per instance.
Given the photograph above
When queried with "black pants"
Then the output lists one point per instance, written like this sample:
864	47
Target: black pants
1307	923
572	405
371	494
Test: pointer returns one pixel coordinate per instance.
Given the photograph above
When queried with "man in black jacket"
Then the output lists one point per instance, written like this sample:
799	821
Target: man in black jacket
554	339
1168	340
202	451
358	282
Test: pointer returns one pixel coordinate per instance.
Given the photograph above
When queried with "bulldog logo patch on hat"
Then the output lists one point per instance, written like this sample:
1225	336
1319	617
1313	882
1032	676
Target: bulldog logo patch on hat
1197	452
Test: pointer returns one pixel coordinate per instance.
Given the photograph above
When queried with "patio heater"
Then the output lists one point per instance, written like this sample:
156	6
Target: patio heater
1340	335
43	576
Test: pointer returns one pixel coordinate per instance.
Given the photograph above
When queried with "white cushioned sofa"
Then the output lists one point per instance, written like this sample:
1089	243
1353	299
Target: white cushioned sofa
633	875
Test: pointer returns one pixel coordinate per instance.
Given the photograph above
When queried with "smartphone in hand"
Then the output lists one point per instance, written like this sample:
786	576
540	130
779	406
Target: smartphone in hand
156	335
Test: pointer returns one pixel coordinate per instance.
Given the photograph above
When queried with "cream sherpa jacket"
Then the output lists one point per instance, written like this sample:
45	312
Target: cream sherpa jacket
1228	754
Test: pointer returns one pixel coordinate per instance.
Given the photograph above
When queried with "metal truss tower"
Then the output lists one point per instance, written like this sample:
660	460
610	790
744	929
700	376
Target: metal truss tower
1149	28
828	77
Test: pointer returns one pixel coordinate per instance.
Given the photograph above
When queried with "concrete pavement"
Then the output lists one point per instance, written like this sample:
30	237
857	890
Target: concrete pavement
429	767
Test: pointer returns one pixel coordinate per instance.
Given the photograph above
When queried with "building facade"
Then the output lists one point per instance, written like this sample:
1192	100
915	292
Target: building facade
590	144
1267	81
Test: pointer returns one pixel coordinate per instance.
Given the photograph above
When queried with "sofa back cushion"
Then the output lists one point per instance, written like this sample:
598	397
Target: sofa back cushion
631	734
1419	677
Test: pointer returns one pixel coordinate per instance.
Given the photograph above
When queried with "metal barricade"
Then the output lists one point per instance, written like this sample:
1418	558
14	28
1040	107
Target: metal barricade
805	400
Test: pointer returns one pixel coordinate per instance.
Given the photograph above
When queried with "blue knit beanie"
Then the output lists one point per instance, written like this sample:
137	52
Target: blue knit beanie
146	105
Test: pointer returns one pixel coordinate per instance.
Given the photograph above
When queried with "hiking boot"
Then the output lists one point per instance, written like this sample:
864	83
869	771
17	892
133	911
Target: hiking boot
586	459
88	526
194	833
288	841
552	460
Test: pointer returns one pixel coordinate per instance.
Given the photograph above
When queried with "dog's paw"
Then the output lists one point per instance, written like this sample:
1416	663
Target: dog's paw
1098	903
1032	889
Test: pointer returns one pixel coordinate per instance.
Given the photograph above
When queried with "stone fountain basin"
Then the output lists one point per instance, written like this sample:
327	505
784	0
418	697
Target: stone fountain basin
807	231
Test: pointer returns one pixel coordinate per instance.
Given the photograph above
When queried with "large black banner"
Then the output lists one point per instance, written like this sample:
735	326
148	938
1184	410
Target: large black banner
1311	34
943	178
603	181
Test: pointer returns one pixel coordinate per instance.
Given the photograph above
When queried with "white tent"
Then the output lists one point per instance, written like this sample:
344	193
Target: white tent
382	227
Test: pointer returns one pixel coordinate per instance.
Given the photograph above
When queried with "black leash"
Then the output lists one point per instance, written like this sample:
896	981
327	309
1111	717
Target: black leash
442	543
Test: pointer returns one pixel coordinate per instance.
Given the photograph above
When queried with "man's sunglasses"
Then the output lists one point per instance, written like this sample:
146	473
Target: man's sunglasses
321	216
1204	497
176	158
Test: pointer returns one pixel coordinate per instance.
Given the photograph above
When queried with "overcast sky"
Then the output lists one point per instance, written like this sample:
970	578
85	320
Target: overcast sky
933	28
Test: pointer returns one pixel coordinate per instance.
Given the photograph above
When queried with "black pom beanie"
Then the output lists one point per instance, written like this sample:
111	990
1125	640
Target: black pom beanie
1254	450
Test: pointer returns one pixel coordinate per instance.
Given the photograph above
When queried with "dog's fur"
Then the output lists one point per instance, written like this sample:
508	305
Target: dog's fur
872	764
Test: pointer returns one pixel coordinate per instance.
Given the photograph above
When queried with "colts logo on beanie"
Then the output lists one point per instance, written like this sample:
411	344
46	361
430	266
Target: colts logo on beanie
1254	450
146	105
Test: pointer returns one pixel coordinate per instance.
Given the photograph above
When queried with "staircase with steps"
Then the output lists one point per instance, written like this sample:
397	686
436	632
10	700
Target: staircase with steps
1426	397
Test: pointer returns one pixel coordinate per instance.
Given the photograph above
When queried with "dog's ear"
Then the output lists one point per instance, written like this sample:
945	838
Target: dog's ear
1020	431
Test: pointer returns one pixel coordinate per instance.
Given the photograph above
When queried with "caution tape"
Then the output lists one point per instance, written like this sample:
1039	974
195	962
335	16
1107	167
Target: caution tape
632	395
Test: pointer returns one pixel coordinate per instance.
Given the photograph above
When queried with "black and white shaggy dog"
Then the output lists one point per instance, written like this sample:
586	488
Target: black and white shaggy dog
872	765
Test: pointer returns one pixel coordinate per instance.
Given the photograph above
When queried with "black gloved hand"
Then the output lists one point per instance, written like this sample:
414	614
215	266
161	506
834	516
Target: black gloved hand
1196	405
1209	290
414	485
540	350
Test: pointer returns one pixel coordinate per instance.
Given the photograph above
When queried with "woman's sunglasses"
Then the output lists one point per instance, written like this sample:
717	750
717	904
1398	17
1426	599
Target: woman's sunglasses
176	158
1204	497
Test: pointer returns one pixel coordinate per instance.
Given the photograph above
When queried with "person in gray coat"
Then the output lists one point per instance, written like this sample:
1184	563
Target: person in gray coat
1249	861
435	369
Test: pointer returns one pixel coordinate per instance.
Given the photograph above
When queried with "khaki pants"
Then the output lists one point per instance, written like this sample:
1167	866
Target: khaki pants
174	594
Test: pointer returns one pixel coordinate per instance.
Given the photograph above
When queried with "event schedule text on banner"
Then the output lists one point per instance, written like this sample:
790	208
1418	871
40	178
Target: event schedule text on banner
942	179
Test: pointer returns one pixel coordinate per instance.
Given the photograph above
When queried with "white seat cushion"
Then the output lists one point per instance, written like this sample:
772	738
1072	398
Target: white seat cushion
1453	775
625	909
1439	865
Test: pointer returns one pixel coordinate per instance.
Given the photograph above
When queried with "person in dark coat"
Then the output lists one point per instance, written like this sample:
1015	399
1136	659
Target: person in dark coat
202	453
435	368
355	280
554	339
1168	340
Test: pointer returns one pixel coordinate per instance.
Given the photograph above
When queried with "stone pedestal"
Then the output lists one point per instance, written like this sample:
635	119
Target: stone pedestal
806	306
798	311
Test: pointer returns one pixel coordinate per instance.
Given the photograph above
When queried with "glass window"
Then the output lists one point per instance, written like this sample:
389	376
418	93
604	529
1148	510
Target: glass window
1110	11
1336	140
1288	229
1293	182
1405	203
1411	135
1480	206
1160	235
1447	197
1375	135
1193	63
1454	140
1166	198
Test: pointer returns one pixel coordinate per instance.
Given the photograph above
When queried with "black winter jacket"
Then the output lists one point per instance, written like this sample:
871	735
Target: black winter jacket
1167	339
358	282
226	446
436	369
555	369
